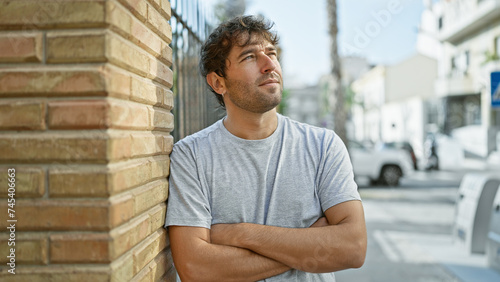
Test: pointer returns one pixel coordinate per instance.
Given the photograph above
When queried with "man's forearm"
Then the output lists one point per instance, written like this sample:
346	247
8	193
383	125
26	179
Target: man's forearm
200	260
336	246
227	263
320	249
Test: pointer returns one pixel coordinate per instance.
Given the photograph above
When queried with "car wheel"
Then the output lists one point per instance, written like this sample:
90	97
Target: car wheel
390	175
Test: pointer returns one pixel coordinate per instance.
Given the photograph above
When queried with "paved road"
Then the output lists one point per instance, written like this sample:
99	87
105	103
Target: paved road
409	234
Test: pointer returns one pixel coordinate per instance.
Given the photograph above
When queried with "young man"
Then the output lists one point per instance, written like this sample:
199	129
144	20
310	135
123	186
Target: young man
256	195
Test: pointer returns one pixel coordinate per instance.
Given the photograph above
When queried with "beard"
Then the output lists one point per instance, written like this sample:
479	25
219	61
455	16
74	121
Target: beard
252	97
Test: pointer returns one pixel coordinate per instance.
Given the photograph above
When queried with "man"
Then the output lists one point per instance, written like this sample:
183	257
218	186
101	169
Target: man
257	196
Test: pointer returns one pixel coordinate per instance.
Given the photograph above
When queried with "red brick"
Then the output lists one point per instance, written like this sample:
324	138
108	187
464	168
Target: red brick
161	73
166	54
150	195
118	82
160	167
80	248
157	216
137	172
51	83
144	91
38	215
162	120
79	114
122	268
129	176
91	146
33	14
79	181
166	9
118	18
168	99
20	47
128	115
145	38
22	115
119	146
126	55
159	24
31	248
146	144
121	210
58	273
76	47
30	182
168	143
157	269
136	7
149	249
128	235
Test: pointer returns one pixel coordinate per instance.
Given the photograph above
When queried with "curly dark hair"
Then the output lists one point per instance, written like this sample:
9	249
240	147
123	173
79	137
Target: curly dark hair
216	48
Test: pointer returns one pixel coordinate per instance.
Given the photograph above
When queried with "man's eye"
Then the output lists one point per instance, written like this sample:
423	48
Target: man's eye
248	57
272	54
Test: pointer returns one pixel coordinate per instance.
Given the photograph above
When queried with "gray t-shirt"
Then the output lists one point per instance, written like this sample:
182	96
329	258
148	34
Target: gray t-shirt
288	180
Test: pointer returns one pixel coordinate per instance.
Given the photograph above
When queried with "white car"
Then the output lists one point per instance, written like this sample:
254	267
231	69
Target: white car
380	164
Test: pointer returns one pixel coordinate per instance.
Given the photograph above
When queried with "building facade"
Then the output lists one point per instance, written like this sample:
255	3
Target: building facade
392	103
468	33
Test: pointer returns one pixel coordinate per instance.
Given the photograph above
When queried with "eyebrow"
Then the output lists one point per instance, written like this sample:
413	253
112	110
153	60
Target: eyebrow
252	50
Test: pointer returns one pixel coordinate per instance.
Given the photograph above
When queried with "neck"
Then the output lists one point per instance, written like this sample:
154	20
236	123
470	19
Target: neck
252	126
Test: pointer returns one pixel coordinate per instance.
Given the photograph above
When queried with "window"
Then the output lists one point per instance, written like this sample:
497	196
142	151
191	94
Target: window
460	63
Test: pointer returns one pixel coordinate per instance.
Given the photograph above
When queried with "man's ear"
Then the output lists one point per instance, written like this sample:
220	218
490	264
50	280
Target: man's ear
216	82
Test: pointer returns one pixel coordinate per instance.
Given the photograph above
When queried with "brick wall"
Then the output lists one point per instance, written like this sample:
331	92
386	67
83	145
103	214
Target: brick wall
85	122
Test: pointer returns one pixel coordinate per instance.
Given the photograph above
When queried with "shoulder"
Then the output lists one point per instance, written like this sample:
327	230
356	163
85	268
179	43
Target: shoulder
323	141
314	133
199	139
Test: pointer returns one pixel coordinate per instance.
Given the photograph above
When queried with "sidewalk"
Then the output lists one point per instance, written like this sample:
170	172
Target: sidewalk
411	226
445	251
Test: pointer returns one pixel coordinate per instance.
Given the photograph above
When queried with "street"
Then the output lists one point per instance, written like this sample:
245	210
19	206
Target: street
409	234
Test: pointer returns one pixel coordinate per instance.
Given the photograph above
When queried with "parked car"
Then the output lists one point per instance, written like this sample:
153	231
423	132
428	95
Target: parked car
406	146
381	164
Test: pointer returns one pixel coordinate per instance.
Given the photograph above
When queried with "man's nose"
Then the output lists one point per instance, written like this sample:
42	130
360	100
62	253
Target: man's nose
268	64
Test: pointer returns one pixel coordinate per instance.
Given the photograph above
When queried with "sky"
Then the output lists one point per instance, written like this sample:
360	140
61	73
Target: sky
382	31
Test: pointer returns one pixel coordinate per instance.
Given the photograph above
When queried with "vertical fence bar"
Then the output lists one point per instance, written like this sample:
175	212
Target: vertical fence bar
195	106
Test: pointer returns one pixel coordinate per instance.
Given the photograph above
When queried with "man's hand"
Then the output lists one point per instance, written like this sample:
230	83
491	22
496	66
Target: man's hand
333	243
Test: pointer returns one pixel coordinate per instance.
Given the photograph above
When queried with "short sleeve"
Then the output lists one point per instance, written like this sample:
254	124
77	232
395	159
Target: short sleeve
336	177
188	203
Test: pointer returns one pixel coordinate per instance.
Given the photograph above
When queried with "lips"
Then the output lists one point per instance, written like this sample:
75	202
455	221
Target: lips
269	81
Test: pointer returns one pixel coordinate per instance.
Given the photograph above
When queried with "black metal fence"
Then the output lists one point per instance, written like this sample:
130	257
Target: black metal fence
195	107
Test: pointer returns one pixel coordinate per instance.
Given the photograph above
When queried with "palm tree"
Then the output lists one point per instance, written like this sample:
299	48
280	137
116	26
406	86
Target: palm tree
339	111
228	9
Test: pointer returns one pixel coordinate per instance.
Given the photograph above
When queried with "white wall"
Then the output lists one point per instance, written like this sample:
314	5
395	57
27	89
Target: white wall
413	77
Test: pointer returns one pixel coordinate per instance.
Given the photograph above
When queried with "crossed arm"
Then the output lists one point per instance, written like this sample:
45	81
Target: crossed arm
250	252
